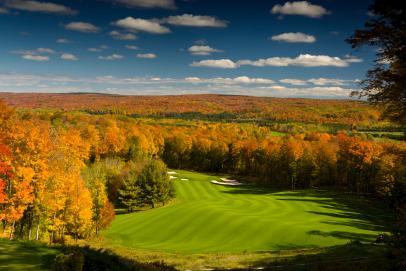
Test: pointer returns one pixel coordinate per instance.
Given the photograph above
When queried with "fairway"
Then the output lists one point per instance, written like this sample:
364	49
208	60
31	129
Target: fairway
213	218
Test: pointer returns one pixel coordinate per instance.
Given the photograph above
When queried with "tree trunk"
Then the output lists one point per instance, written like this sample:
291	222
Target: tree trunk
37	231
12	230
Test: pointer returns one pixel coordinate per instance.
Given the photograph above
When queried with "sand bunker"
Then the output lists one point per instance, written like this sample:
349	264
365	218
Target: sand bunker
225	181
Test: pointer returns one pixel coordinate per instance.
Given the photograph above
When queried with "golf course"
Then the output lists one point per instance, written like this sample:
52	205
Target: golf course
210	218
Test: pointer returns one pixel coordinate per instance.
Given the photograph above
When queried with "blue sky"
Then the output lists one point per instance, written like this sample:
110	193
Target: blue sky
263	48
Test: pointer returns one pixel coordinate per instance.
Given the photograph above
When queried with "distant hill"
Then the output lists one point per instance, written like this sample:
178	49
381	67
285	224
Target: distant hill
195	106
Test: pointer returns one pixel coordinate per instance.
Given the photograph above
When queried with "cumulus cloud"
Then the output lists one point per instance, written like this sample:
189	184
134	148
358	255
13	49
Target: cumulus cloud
45	50
295	82
122	36
195	21
35	57
236	80
303	60
37	51
167	4
303	8
242	85
216	63
248	80
294	37
137	24
132	47
318	82
328	81
37	6
82	27
353	59
70	57
148	56
95	50
63	40
202	50
111	57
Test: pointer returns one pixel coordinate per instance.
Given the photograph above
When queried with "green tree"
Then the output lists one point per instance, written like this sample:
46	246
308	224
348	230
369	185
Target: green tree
129	195
154	183
386	82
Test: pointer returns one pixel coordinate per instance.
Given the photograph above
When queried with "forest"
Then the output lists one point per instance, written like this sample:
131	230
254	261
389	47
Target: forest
64	172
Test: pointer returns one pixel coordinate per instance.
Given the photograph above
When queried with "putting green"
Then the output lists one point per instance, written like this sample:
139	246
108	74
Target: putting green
213	218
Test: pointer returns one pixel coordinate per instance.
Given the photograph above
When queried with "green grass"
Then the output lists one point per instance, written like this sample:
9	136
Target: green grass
25	256
211	218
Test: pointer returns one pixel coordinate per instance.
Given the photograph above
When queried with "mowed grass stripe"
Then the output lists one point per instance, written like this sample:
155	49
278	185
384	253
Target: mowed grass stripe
212	218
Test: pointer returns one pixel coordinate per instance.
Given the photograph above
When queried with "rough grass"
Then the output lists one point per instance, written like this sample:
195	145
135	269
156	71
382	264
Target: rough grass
25	256
209	218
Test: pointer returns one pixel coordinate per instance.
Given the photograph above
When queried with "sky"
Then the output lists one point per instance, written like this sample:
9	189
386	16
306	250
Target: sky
166	47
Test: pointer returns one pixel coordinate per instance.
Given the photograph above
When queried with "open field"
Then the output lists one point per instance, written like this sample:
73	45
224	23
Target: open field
214	218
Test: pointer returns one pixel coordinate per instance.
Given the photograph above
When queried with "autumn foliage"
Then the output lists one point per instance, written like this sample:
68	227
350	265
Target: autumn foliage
62	171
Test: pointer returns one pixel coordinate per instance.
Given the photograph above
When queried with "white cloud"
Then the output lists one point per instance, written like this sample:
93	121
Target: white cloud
132	47
94	50
45	50
352	59
111	57
294	37
242	85
303	60
35	57
137	24
37	6
98	49
122	36
82	27
248	80
328	81
277	87
63	40
193	79
195	21
303	8
148	56
231	81
295	82
218	63
168	4
70	57
37	51
317	82
202	50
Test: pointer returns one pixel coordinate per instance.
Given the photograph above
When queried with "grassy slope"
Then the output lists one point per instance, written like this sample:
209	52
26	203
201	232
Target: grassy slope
211	218
25	256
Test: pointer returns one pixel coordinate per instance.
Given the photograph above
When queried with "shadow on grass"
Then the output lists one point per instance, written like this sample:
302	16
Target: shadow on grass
80	258
17	255
340	209
361	237
352	256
